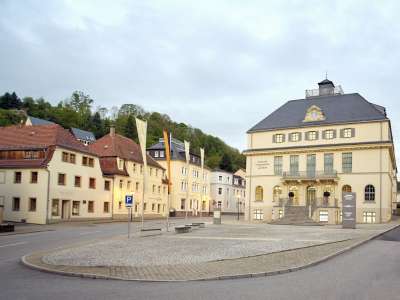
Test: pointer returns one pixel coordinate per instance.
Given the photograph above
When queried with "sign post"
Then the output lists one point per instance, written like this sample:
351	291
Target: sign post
349	210
128	205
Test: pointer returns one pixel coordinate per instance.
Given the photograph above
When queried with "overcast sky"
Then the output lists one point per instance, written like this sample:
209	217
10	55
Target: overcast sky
220	66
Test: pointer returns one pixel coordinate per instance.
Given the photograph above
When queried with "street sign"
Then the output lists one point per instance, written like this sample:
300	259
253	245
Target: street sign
349	210
128	200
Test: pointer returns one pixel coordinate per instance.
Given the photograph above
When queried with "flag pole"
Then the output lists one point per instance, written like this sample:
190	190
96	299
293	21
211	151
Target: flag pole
187	154
202	180
168	156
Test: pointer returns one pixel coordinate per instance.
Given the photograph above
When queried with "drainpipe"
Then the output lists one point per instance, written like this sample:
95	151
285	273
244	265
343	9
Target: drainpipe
48	195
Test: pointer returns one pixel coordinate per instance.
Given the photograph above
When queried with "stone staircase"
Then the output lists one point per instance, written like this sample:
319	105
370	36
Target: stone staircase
295	215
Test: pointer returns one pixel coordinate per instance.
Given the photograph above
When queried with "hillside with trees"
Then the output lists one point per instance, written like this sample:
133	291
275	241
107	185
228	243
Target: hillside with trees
79	111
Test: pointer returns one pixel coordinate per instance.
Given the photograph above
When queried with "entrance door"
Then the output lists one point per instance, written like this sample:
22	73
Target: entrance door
311	195
65	209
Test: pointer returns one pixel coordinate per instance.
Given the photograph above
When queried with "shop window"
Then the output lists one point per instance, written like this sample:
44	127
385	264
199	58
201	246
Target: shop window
323	216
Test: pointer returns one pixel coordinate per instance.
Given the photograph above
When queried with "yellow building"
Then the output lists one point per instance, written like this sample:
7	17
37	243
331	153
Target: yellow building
46	176
185	180
308	152
121	161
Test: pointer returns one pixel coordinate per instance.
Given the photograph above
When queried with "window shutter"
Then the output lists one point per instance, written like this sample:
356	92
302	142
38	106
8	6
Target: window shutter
306	136
274	138
342	133
290	137
353	132
323	134
316	135
283	137
334	134
300	134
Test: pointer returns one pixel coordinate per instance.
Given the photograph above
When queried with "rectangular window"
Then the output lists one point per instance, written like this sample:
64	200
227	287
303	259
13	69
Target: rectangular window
121	183
258	214
220	178
311	158
329	134
55	208
162	153
75	208
323	216
32	204
90	206
312	135
153	207
72	158
155	153
295	137
92	183
183	204
91	162
294	165
106	207
347	133
128	185
17	177
280	214
145	206
16	203
278	165
219	191
77	181
328	163
107	185
134	168
84	160
61	179
65	157
158	208
34	177
347	162
369	217
137	186
278	138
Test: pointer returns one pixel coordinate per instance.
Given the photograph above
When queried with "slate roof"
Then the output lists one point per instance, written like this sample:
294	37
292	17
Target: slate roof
83	135
346	108
36	137
177	150
37	121
111	146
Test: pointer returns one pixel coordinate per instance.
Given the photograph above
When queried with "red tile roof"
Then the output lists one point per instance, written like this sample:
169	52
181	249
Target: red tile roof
109	167
45	137
19	137
119	146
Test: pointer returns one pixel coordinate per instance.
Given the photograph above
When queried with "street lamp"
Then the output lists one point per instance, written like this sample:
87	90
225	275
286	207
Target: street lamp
238	205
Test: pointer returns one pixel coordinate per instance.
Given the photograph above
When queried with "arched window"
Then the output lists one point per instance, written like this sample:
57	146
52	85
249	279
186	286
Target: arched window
369	194
277	193
259	193
346	188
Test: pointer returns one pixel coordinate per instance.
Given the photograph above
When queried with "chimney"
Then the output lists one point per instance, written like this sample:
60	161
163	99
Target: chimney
112	130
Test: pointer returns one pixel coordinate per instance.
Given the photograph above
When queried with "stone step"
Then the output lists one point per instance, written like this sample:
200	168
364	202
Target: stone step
296	215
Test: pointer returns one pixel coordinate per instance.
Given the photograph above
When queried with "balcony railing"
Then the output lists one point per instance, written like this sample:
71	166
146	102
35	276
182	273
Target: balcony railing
337	90
314	203
309	175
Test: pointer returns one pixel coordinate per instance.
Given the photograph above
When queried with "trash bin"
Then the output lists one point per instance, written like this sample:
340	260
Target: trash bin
172	213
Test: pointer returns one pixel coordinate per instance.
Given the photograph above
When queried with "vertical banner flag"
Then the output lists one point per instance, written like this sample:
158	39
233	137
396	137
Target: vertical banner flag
202	157
187	147
142	133
202	180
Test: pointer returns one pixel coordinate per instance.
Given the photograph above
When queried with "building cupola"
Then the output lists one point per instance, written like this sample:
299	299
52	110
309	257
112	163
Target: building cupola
326	87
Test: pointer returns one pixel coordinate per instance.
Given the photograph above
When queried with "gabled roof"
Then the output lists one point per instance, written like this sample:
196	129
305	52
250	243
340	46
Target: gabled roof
337	109
37	121
83	135
19	137
36	137
119	146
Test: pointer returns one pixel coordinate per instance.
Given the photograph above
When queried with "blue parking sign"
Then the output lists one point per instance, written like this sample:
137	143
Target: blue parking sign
128	200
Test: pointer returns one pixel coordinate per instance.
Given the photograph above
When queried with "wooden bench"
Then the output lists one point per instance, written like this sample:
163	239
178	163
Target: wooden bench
200	224
183	229
150	231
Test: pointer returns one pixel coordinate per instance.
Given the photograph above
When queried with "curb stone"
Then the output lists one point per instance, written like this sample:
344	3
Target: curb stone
25	261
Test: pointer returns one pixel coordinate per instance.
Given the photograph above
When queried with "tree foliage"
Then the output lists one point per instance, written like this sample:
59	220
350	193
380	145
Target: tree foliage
77	111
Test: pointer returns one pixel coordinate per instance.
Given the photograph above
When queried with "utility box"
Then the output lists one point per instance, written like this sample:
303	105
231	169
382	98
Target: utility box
217	216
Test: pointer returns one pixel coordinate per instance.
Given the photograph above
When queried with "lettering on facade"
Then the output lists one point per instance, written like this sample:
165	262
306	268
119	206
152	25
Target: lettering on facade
262	164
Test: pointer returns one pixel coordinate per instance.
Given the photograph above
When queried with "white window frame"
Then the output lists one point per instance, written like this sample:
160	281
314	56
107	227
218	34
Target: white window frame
323	216
279	138
258	214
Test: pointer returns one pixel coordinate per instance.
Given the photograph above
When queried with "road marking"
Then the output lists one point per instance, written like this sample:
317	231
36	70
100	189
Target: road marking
13	244
89	232
224	238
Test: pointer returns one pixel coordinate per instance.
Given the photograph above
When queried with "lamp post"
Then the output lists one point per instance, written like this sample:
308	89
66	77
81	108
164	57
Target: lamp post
238	205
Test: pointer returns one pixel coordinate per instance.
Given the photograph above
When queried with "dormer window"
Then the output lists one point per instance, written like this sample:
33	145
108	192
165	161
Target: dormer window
120	164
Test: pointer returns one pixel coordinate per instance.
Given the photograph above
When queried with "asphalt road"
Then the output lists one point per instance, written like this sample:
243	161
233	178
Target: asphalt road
371	271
